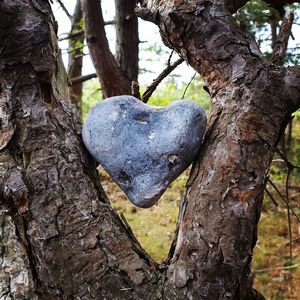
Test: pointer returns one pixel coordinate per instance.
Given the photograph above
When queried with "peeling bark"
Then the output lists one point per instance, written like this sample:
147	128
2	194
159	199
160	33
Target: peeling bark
16	280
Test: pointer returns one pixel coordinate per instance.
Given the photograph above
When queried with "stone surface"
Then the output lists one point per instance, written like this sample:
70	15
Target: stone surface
144	148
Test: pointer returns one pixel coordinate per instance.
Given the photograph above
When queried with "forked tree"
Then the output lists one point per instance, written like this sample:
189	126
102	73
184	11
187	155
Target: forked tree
61	239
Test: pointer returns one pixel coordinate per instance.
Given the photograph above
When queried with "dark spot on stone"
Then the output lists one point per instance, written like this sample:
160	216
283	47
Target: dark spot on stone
142	117
124	178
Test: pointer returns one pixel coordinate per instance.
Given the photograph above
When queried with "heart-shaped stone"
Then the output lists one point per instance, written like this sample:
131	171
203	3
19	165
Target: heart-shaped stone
144	148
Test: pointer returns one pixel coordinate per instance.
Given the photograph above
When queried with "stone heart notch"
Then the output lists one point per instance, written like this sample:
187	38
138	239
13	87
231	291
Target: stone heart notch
144	148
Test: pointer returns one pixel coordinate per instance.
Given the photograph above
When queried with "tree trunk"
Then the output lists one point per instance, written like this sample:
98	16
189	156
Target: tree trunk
76	57
71	242
127	44
115	75
76	245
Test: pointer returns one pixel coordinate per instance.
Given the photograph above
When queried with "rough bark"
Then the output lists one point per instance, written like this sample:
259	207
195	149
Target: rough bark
113	81
75	58
218	228
127	43
76	245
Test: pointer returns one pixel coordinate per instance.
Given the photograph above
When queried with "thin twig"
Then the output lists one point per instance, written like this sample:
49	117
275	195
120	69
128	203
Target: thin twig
71	35
286	160
170	57
283	198
74	34
64	9
277	268
289	170
271	197
152	87
186	88
281	43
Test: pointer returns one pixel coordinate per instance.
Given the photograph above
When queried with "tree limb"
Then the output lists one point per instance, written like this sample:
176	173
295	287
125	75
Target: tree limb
64	9
81	79
281	43
151	88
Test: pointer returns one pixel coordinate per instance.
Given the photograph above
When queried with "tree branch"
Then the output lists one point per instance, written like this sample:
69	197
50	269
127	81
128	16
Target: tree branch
283	199
81	79
64	9
80	32
151	88
281	43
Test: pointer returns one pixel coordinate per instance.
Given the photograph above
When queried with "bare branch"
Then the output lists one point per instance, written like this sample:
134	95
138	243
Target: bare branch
64	9
289	170
152	87
271	197
80	32
281	43
186	88
81	79
284	199
72	35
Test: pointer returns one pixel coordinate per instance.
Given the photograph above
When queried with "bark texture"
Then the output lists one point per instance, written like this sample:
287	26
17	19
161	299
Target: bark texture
218	220
76	245
71	243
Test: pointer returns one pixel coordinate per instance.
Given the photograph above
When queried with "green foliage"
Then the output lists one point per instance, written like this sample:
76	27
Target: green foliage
91	94
256	17
171	91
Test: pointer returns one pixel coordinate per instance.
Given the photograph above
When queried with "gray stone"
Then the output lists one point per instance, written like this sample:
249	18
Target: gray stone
144	148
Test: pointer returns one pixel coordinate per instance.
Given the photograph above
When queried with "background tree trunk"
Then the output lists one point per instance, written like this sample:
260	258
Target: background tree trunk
115	74
75	244
127	43
76	57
